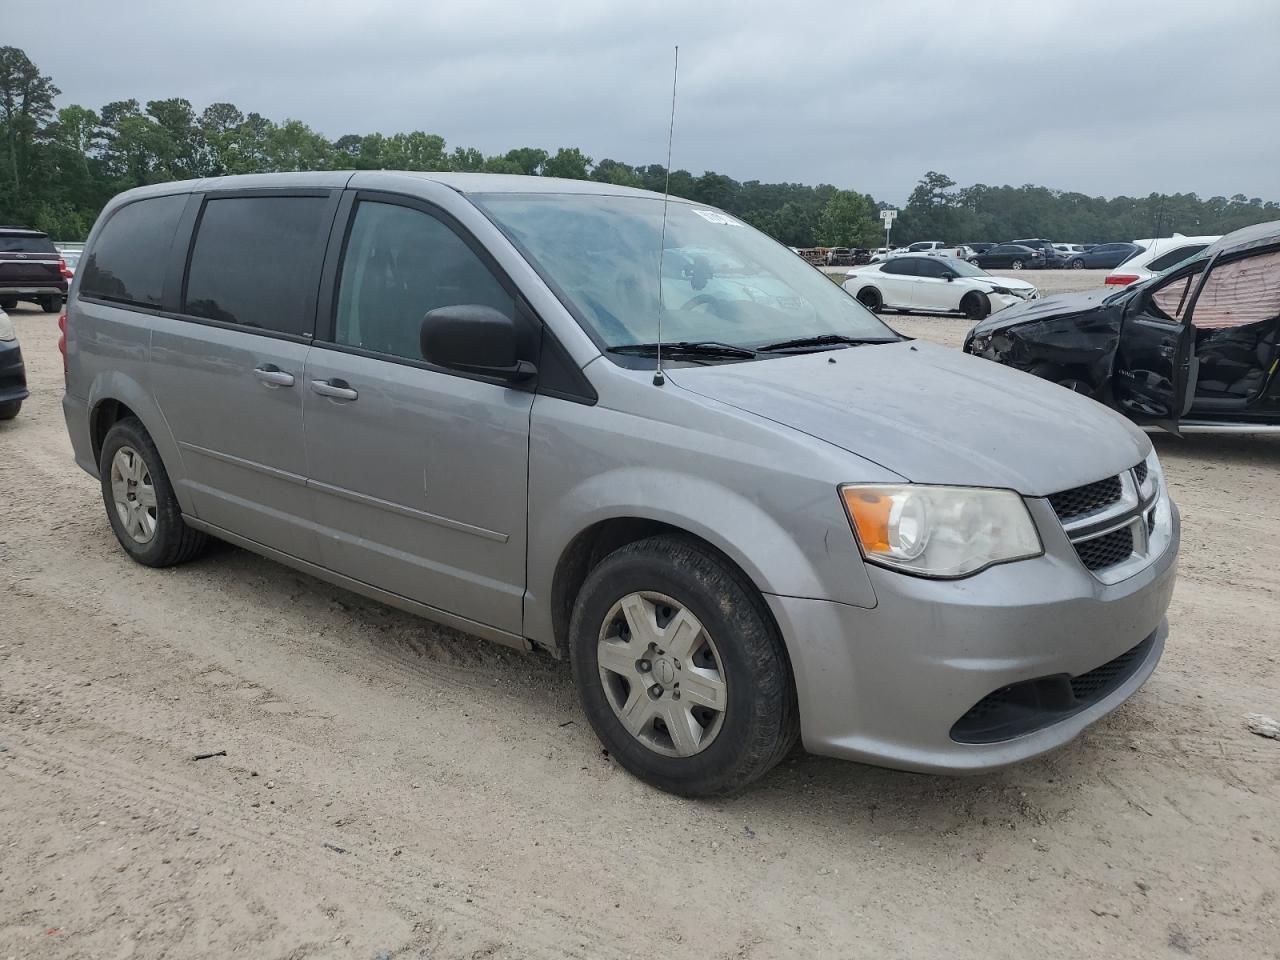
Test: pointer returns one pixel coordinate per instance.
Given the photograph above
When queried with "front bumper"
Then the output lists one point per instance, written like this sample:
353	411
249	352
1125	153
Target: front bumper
13	372
887	685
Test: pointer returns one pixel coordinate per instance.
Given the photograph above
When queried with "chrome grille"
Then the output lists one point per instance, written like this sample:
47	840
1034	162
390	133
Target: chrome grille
1118	524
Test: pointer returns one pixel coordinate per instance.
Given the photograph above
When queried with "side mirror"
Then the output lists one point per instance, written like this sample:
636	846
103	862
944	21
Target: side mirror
949	277
474	339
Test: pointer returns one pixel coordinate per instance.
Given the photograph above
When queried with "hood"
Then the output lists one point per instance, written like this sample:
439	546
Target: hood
932	415
1009	283
1058	305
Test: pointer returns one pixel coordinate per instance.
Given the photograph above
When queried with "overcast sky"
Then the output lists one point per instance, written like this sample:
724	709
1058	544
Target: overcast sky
1101	96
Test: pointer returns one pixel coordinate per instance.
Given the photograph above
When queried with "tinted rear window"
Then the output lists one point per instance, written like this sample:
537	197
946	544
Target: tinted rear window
17	243
127	262
1166	260
256	262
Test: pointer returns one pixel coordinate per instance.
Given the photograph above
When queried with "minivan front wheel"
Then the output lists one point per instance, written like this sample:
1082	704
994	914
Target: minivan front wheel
141	507
680	669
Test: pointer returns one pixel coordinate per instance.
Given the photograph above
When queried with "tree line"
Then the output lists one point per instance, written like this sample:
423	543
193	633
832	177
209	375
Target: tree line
59	166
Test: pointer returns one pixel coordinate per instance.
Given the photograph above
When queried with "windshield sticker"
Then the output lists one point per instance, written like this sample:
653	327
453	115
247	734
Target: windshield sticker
715	216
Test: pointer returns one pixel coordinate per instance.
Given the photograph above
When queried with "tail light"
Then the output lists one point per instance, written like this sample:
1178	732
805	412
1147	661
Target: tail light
62	267
62	342
1120	279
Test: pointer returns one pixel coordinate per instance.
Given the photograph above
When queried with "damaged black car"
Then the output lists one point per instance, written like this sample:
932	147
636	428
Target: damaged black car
1193	349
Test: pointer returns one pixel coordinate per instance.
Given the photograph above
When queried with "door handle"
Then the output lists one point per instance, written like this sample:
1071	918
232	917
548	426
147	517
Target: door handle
334	390
273	376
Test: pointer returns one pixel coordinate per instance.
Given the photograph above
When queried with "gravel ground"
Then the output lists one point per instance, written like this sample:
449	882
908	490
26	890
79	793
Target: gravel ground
394	789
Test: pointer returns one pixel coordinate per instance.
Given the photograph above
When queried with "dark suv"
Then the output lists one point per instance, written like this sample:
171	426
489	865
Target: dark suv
30	269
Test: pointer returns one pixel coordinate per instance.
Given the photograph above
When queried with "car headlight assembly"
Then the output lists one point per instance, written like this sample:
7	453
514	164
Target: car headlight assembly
941	532
6	327
1003	290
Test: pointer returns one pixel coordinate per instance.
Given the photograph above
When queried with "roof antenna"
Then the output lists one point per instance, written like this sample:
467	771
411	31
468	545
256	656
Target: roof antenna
658	378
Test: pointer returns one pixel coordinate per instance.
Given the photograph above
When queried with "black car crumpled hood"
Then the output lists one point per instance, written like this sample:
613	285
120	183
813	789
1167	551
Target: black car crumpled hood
1058	305
932	415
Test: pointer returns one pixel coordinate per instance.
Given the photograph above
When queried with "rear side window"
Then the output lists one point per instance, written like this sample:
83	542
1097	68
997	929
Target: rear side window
904	267
127	261
26	243
401	263
1166	260
256	262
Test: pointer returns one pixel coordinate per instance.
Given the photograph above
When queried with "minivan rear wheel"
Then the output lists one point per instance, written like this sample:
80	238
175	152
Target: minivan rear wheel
141	507
680	669
10	409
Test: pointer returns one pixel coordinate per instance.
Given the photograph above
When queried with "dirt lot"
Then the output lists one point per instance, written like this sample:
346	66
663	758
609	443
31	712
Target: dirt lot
393	789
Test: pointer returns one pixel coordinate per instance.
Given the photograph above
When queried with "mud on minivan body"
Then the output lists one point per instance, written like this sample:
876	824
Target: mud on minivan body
439	391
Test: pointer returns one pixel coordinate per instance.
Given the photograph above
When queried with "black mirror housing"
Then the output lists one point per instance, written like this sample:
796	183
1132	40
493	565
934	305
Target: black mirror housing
473	338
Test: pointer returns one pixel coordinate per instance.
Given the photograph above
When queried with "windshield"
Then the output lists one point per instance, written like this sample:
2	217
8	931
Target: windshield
722	280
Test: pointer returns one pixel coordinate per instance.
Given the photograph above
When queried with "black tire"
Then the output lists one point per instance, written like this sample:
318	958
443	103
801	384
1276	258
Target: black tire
172	541
975	261
1016	265
10	410
760	722
8	304
51	304
976	305
1077	264
870	298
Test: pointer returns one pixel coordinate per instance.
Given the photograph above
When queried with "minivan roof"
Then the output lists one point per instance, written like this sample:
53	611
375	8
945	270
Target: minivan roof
465	183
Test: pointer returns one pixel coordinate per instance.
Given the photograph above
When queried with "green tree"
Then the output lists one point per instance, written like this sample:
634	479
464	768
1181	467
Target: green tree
848	220
26	104
568	162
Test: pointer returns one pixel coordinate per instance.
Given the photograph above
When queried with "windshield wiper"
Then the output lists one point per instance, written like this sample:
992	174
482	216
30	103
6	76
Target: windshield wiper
705	348
822	340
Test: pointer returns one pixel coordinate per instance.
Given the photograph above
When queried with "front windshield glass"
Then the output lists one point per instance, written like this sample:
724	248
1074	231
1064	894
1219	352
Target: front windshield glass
722	280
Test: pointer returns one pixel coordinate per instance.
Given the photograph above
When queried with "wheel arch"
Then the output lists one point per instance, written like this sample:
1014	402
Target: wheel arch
115	396
595	542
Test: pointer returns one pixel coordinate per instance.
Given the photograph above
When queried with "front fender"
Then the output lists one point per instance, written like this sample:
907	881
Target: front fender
764	495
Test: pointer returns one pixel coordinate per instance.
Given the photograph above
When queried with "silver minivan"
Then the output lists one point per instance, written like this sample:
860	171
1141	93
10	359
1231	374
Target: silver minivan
444	391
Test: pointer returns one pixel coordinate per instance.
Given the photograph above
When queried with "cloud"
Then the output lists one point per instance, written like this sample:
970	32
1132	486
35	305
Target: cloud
1091	95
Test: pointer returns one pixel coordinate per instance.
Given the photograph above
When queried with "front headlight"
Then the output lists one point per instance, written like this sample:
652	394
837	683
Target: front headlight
1002	290
940	531
6	327
1153	482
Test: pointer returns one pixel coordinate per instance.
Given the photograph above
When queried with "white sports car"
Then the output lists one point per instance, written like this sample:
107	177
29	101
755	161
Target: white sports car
930	284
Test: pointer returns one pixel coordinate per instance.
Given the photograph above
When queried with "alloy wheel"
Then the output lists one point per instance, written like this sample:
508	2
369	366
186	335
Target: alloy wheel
133	494
662	674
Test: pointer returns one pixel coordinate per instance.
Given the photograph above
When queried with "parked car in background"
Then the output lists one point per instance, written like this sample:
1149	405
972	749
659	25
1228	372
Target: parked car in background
926	246
70	260
30	269
1012	256
13	373
1066	252
1048	251
1193	349
800	525
879	254
1160	254
933	284
1103	256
